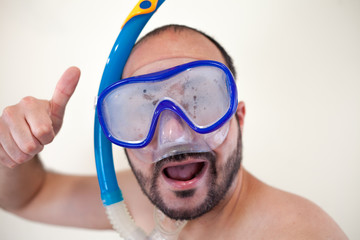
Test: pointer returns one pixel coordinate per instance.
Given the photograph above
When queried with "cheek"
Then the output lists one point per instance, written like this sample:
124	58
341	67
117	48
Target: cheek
140	168
229	145
136	162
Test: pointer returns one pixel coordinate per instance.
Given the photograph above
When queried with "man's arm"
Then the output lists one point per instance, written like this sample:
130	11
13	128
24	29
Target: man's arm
26	188
19	185
25	129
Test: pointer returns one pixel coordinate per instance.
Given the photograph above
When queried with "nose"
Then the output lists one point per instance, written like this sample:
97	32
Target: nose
172	129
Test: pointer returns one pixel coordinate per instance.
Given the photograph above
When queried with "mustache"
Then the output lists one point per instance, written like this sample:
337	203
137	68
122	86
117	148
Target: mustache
210	156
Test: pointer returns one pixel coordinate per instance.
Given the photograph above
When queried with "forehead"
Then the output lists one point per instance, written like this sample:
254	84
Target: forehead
169	49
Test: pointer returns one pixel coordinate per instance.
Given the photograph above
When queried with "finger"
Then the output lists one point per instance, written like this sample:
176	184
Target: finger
21	133
63	91
12	149
5	159
41	128
37	128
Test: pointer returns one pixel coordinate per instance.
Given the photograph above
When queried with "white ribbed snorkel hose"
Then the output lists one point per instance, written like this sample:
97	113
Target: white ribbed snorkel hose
122	222
111	195
166	228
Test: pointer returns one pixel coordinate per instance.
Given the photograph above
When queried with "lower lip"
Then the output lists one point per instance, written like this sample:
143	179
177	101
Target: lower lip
186	185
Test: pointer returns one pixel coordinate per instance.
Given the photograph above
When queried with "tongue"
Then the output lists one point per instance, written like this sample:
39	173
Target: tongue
183	172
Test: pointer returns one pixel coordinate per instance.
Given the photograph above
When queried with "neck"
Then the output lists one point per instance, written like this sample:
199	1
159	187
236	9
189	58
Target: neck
223	213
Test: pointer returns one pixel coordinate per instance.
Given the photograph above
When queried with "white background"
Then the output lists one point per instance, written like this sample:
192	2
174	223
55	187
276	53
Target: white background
298	68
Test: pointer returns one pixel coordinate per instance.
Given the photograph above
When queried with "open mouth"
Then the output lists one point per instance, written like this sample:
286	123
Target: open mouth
184	172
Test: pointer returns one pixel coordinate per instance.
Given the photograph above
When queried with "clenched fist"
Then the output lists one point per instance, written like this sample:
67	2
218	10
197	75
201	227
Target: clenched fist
32	123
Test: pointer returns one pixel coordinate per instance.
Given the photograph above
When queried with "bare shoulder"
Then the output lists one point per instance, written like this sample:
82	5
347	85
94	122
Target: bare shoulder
302	219
288	216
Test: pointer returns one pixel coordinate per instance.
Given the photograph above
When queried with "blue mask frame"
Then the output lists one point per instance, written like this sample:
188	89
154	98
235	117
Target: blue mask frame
167	104
143	11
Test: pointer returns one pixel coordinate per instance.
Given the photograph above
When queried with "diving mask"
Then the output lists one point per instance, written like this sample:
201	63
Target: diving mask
178	110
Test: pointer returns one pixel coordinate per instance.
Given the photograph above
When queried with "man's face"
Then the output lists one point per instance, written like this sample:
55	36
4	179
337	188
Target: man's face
183	186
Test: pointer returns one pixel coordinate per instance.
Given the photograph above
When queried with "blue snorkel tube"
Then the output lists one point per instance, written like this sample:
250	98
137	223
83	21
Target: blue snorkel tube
110	192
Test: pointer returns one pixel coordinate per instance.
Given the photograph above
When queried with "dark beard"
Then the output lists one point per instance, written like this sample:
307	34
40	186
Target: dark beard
216	191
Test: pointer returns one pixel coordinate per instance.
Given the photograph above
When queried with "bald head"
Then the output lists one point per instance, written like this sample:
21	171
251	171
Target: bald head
173	45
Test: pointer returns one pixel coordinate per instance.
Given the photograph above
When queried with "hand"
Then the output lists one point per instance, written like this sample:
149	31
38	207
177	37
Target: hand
32	123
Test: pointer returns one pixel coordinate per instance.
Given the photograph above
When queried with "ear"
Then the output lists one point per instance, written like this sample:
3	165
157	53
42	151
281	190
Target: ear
240	113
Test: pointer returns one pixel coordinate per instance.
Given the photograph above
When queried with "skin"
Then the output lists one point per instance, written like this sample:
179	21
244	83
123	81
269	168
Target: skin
173	127
249	210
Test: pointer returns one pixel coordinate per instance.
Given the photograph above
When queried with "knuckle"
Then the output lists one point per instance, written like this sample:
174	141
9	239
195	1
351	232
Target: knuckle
28	101
30	148
5	159
20	158
12	165
9	113
7	163
44	131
